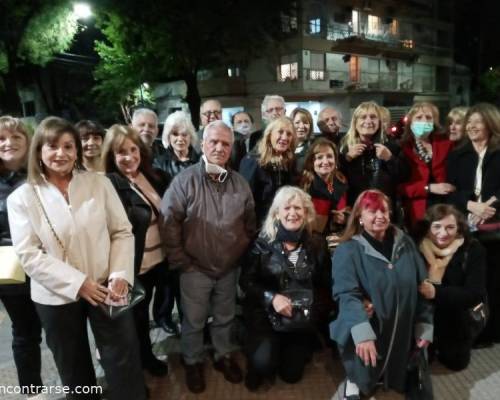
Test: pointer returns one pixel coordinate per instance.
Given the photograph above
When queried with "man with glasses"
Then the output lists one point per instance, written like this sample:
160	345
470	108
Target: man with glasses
273	107
210	110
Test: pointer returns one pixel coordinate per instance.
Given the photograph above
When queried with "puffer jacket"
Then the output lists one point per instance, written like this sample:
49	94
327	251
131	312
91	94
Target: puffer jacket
207	225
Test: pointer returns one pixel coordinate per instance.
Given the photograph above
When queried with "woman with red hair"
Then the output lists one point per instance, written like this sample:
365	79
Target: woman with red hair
382	317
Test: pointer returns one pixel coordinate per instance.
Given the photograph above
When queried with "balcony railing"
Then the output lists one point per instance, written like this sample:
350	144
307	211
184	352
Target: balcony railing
388	81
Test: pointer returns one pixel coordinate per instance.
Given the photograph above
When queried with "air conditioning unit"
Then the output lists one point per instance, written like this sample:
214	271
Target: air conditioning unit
336	84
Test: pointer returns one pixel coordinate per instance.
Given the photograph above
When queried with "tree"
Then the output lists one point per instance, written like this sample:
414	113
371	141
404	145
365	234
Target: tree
174	40
31	32
490	86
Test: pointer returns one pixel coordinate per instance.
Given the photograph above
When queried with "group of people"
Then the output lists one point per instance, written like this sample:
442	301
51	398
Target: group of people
398	231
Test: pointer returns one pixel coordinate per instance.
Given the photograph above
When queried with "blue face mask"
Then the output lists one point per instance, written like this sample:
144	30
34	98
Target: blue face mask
421	129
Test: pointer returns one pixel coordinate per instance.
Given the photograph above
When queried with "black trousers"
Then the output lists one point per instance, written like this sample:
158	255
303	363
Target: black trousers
166	295
141	311
452	338
26	338
66	332
492	330
283	353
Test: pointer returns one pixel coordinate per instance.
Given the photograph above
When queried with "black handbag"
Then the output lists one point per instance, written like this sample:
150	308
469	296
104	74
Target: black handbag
135	295
296	284
418	378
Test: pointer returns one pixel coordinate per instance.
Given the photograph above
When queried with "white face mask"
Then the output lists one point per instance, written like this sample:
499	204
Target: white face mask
214	169
244	128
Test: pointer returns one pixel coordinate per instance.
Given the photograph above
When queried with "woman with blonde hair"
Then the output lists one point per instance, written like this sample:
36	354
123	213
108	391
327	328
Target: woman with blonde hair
56	219
382	317
425	151
455	122
26	328
369	158
282	273
272	165
179	139
140	188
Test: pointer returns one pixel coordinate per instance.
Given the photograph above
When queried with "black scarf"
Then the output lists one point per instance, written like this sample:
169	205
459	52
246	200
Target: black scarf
319	190
284	235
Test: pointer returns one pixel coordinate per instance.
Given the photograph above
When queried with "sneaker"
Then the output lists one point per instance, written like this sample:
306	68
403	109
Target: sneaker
195	379
351	391
230	368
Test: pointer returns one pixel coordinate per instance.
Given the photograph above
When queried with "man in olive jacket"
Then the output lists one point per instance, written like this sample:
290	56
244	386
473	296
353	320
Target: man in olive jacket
208	221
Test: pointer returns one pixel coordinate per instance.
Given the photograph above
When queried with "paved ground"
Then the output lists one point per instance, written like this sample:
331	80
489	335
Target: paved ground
481	381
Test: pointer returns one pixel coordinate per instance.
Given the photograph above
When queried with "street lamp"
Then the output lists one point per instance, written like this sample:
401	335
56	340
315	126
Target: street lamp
82	10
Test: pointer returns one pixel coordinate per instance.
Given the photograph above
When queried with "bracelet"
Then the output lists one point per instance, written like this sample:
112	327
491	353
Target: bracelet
427	188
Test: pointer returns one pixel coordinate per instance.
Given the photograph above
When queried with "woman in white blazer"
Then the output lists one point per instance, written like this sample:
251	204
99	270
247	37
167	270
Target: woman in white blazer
73	237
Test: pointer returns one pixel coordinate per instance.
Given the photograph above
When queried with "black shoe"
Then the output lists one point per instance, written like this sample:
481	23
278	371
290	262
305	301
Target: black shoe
156	367
253	381
230	368
169	327
195	379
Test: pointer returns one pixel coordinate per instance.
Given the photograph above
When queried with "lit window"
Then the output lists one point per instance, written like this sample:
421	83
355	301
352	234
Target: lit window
288	71
315	26
373	25
408	44
394	27
233	72
315	75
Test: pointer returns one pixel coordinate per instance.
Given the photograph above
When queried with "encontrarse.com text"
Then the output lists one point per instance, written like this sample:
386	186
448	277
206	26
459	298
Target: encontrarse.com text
8	389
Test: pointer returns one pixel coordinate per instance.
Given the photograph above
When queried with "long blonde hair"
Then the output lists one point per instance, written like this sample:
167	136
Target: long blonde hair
352	136
283	196
265	147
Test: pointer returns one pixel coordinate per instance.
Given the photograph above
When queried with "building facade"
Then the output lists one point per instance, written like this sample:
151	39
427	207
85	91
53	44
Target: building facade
343	52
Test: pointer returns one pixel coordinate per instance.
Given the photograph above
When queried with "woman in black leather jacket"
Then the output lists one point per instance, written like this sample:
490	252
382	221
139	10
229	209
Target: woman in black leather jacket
140	188
179	137
285	270
26	328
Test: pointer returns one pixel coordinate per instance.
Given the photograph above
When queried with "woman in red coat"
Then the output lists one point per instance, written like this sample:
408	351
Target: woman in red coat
425	151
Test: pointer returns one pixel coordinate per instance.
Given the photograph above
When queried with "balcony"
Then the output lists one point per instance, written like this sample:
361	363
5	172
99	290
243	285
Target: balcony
368	81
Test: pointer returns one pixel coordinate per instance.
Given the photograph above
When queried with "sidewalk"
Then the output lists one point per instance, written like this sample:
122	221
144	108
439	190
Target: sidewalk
481	381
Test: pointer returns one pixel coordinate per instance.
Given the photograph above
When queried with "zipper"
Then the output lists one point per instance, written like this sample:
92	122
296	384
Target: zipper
394	329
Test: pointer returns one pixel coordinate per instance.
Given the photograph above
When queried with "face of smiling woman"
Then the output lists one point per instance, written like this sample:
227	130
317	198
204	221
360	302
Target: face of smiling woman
13	148
59	156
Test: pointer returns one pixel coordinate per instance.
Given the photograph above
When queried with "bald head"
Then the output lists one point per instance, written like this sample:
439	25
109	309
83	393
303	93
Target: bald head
329	121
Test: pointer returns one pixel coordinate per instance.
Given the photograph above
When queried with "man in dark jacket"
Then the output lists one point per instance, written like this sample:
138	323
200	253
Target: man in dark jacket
329	124
208	222
145	121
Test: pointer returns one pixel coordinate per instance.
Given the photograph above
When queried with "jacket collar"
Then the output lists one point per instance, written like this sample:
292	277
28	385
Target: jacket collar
399	243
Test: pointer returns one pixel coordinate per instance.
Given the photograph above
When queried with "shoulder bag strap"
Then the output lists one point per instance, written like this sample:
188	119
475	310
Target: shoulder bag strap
54	233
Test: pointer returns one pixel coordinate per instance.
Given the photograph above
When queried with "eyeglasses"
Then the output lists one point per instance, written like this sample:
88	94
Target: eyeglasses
274	109
215	113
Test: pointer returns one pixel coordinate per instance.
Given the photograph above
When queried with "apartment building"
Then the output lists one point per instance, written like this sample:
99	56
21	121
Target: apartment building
343	52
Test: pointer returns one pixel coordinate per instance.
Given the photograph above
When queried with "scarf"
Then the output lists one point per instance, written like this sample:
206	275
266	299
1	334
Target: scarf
284	235
437	258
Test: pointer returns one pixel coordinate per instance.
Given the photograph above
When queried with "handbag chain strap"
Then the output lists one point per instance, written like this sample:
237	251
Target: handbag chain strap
54	233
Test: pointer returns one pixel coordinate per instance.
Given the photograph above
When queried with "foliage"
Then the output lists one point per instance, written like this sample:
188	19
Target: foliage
49	32
166	41
490	85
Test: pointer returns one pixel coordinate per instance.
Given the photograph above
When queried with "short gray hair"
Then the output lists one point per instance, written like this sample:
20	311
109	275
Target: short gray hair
144	111
267	99
181	121
217	124
283	196
320	115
